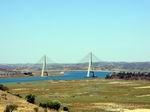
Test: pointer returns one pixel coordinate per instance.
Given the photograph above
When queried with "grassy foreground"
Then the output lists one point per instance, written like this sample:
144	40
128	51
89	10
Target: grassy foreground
91	95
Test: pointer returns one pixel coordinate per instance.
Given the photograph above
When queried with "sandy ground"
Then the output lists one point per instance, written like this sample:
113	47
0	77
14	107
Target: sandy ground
143	95
137	110
143	87
124	83
115	82
20	89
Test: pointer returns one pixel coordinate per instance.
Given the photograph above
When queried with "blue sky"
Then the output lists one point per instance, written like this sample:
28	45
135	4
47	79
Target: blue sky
67	30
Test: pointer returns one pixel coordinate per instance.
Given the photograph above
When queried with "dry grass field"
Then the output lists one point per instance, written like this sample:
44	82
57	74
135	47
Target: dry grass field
90	95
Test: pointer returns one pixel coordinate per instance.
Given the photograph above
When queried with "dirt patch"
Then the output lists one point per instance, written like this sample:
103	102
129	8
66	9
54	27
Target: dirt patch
143	95
137	110
143	87
116	82
109	107
132	84
20	89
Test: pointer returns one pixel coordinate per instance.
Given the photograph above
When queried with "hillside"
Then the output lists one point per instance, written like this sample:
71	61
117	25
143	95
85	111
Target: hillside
23	106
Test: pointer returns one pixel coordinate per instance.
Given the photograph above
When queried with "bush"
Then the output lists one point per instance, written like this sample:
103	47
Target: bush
51	105
65	109
10	108
3	88
18	95
44	105
30	98
54	105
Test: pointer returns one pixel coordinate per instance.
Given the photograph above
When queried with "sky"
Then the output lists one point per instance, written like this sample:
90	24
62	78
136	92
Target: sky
67	30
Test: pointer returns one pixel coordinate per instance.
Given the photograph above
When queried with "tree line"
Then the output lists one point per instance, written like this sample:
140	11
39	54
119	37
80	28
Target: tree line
130	76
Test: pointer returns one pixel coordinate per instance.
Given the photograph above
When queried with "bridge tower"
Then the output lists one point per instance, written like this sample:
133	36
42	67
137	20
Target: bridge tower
90	67
44	68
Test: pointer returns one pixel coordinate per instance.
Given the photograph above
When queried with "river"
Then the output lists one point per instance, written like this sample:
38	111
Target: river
67	76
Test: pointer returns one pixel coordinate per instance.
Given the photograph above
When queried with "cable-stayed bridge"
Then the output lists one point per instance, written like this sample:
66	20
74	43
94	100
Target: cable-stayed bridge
46	67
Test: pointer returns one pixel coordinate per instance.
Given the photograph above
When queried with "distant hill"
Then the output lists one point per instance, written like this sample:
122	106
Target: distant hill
120	66
129	66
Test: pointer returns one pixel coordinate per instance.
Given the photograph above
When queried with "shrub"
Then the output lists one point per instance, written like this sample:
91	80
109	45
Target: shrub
65	109
44	105
30	98
18	95
54	105
3	88
51	105
10	108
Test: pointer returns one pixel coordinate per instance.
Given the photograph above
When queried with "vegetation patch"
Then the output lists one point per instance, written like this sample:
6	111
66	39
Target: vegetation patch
3	88
11	108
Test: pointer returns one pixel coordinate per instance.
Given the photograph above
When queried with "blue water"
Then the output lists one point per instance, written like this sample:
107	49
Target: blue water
66	76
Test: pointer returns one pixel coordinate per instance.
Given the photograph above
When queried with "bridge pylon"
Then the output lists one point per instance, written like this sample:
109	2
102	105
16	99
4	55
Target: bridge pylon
44	67
90	67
